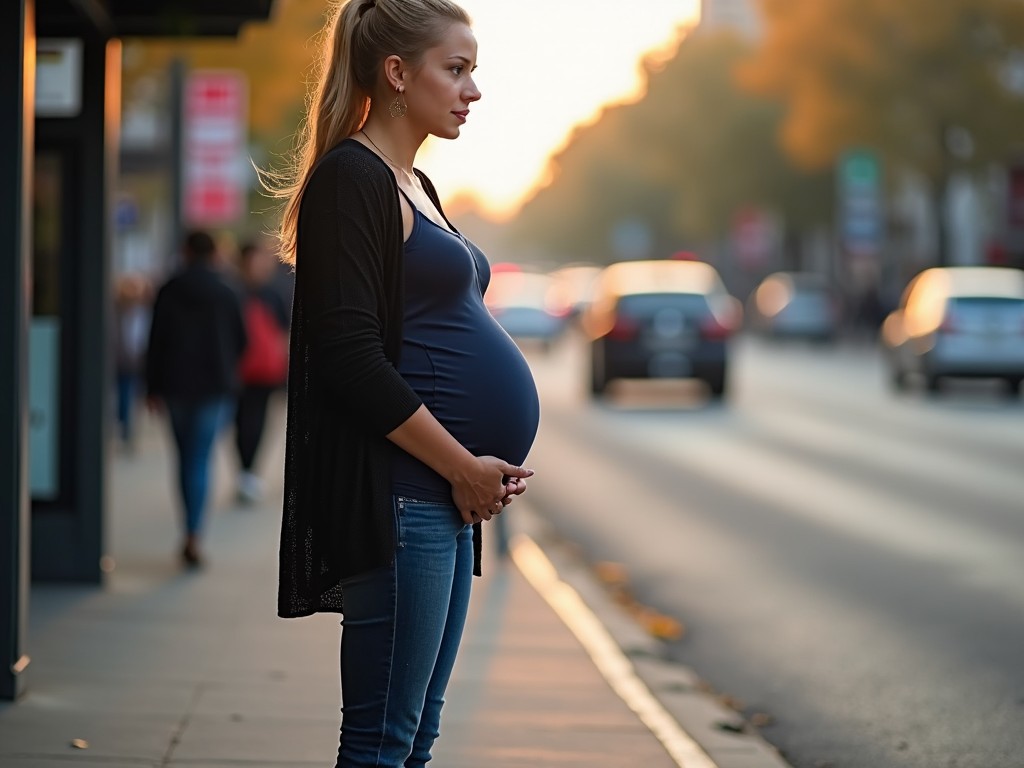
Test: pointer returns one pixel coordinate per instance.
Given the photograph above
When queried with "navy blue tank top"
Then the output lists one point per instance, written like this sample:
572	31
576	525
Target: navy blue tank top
461	363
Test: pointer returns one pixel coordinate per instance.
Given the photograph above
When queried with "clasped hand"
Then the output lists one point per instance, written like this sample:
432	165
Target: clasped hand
487	487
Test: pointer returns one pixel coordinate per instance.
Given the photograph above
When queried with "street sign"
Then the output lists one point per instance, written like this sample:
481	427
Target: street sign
861	214
58	77
213	147
753	238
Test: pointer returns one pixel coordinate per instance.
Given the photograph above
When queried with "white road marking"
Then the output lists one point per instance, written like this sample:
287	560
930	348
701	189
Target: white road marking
606	655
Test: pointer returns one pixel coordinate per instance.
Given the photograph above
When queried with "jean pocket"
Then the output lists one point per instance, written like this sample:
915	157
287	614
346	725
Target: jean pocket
399	510
401	505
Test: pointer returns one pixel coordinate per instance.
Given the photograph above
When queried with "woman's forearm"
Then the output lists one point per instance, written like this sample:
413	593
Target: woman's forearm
423	437
480	484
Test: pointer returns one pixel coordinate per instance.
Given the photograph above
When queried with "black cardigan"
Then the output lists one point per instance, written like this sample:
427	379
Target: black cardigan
344	390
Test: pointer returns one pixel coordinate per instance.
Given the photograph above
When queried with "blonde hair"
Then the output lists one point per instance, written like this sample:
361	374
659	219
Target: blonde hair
358	36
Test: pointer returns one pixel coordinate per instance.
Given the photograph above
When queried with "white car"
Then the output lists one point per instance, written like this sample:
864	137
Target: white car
527	306
958	322
794	305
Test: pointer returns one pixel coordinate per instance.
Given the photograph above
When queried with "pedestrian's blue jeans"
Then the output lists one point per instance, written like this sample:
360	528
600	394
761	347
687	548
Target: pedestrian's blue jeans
195	427
127	392
401	632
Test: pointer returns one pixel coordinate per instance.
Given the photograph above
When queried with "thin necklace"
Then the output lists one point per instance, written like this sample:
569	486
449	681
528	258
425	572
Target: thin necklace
384	154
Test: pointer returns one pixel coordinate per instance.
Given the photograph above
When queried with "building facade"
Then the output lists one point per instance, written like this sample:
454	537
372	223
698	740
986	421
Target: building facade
60	66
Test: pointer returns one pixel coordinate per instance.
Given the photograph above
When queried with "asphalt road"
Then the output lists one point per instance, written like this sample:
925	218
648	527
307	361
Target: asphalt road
848	561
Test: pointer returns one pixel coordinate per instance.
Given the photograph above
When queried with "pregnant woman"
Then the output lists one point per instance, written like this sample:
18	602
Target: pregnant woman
410	410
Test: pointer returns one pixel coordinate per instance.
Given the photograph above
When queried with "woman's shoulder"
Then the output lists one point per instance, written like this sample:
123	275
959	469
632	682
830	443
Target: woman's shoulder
350	160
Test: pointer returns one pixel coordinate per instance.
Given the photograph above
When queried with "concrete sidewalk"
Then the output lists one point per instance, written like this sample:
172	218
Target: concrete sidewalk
163	667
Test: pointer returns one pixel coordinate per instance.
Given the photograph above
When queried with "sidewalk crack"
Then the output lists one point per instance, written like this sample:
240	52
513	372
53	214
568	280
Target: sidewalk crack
179	732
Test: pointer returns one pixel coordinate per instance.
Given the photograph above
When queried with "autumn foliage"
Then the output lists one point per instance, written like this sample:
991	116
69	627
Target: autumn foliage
273	55
929	84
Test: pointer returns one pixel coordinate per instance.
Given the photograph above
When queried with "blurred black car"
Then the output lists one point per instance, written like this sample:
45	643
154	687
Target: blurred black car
660	319
958	322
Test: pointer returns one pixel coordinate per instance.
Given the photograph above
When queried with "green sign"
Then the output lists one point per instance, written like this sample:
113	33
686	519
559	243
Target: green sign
861	211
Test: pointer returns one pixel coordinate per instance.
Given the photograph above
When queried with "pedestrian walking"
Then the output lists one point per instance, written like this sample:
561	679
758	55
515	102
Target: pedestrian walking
132	299
410	410
264	366
196	340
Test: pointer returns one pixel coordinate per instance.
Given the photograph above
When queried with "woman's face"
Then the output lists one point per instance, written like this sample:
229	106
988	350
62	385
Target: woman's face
441	89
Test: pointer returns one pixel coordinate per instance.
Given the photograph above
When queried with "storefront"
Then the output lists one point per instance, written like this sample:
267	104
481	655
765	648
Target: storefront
60	75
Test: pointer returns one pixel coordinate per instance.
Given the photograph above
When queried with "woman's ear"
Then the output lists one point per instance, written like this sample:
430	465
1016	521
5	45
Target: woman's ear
394	72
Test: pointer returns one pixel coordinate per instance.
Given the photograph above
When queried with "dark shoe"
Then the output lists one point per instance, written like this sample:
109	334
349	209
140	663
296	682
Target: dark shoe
190	555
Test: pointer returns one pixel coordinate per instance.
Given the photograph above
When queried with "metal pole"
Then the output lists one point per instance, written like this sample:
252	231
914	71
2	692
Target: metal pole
17	77
177	105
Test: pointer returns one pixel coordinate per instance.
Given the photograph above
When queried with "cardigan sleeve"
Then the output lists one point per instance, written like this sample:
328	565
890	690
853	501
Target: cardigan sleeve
348	227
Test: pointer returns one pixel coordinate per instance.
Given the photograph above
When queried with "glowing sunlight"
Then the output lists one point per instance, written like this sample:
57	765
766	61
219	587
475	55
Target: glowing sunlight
546	67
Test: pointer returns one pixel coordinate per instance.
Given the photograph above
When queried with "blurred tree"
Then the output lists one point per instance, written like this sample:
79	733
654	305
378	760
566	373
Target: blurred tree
276	57
935	87
679	163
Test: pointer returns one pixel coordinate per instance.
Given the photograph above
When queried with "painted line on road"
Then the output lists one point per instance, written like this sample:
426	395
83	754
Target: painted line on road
605	653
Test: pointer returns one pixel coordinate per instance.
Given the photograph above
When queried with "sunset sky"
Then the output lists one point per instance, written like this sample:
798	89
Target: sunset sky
543	69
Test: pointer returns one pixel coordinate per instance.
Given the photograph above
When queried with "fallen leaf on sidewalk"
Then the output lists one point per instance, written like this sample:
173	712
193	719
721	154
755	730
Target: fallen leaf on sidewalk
79	744
732	726
731	702
761	720
616	580
611	573
656	623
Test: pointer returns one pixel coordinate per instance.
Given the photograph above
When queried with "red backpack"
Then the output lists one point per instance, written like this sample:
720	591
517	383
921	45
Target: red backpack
265	360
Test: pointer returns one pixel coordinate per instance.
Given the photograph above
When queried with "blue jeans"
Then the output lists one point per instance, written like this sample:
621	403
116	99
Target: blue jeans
195	427
127	394
401	633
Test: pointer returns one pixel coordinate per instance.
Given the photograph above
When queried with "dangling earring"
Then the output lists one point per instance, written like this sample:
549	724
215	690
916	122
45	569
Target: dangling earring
398	107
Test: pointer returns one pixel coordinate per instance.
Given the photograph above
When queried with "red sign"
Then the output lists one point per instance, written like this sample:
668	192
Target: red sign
752	237
214	147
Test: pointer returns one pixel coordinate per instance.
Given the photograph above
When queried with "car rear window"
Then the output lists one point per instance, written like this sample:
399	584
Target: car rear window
985	314
1007	308
646	304
987	302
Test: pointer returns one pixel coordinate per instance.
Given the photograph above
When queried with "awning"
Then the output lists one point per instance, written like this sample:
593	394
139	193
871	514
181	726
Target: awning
158	18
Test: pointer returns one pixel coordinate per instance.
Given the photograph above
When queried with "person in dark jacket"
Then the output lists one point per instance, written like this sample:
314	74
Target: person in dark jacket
410	411
197	336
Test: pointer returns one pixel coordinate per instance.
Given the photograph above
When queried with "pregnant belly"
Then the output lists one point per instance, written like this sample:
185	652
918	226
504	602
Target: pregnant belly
479	386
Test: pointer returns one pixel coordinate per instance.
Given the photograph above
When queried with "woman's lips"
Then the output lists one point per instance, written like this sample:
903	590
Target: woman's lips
462	115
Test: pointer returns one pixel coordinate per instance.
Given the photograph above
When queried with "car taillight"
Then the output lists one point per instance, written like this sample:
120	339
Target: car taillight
712	330
624	328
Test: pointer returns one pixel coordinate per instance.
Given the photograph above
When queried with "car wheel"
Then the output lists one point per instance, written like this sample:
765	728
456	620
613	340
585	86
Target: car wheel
716	384
898	379
598	379
1013	385
932	383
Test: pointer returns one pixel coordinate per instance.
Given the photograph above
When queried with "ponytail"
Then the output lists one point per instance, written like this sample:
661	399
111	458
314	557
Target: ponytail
335	110
359	35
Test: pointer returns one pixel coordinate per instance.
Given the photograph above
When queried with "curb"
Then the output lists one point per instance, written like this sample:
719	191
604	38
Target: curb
695	728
